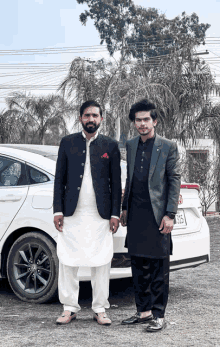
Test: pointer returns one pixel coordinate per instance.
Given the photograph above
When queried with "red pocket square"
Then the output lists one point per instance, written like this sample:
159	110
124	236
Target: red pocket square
105	155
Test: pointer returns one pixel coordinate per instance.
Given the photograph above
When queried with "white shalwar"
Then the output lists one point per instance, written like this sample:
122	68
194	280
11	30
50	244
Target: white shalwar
86	240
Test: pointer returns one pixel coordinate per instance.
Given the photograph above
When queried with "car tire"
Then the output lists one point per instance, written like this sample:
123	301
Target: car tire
32	268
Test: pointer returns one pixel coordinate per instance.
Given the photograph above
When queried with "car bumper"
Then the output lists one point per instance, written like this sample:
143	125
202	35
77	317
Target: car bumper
192	249
84	274
189	262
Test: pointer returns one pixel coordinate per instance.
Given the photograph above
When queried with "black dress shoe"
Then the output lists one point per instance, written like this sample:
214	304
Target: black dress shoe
156	324
137	319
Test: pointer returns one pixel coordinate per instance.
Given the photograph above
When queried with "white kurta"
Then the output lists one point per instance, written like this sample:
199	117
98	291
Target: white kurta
86	239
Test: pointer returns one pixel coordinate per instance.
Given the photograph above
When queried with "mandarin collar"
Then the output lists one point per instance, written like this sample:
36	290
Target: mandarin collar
93	138
147	141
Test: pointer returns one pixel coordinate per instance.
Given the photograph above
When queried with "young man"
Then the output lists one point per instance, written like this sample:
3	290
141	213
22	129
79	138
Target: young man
87	198
149	207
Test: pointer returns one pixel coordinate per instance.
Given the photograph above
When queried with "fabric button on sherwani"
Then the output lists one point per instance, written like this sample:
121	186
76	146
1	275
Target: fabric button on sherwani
82	164
78	188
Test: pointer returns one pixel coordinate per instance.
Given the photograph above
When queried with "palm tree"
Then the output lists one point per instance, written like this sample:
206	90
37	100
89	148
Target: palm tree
176	85
8	127
115	87
190	81
38	114
87	80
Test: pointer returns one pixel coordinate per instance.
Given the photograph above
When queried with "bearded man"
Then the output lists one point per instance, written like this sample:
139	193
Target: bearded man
87	198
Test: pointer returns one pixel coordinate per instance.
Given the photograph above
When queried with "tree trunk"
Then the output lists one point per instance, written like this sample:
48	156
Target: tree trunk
42	140
41	137
23	136
42	130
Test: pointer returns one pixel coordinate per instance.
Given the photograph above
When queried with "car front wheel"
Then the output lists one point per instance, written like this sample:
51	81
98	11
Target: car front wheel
32	268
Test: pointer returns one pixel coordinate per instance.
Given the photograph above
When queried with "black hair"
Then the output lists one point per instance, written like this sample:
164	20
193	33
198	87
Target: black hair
88	104
143	105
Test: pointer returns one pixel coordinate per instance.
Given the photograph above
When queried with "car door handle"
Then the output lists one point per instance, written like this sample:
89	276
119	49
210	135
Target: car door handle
11	197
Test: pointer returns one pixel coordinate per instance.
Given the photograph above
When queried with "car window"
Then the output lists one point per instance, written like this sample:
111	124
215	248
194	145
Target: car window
35	176
12	173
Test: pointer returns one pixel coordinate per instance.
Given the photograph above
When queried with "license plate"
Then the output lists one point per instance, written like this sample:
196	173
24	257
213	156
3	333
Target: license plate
180	219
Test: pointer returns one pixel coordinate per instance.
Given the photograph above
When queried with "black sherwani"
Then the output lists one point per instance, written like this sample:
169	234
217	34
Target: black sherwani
105	170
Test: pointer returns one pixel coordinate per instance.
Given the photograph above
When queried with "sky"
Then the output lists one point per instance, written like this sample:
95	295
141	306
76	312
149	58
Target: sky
54	24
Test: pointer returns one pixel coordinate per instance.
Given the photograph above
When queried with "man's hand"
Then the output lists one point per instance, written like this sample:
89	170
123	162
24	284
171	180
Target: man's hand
58	222
123	218
114	224
166	225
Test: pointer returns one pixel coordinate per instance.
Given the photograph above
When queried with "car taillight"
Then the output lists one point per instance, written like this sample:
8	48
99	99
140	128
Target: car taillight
180	201
190	186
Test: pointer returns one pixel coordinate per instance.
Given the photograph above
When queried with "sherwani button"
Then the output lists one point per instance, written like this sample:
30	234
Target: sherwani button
82	164
81	176
78	188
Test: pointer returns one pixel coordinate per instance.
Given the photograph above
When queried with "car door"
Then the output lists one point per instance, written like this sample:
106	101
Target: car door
13	190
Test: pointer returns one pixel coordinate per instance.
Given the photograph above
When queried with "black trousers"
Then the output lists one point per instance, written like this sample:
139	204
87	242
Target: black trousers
151	284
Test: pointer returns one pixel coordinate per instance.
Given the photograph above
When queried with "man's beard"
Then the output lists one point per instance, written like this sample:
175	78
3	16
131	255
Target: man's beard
90	130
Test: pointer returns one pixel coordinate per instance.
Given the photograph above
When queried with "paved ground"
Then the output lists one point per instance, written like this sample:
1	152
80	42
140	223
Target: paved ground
193	313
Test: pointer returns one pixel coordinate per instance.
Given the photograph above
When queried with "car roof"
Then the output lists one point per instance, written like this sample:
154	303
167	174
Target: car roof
39	149
41	156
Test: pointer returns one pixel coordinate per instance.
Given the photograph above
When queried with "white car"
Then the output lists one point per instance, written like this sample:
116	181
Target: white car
28	236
